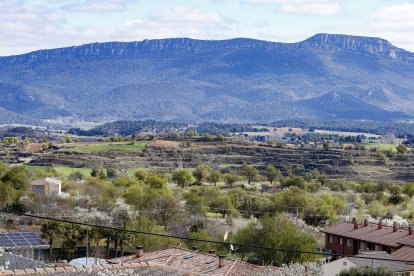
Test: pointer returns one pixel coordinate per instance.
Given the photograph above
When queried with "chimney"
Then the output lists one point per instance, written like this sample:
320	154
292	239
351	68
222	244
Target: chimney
380	224
221	261
140	252
410	229
394	227
365	222
212	251
195	248
354	221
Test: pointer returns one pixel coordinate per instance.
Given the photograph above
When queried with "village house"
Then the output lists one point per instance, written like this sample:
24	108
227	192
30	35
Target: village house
47	186
348	238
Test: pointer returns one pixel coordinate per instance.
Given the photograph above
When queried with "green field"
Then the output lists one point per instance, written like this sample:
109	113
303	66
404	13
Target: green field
382	147
67	170
116	146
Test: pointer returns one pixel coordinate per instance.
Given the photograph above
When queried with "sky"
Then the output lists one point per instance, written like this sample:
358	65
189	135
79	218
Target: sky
28	25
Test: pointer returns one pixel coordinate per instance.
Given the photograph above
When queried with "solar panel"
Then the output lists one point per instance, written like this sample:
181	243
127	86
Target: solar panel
20	239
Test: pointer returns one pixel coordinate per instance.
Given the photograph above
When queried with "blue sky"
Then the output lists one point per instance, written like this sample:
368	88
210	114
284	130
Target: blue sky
27	25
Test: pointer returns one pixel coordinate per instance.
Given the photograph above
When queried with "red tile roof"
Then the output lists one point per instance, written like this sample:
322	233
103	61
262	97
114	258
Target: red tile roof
371	233
198	263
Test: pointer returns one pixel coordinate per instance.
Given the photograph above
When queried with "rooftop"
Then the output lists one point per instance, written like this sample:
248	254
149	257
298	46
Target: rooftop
93	270
198	263
372	233
404	253
50	180
388	261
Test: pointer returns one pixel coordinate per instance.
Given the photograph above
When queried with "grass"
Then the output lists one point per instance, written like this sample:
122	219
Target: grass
68	170
379	146
116	146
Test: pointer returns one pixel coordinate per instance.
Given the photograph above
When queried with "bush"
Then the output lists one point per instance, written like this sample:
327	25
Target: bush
366	271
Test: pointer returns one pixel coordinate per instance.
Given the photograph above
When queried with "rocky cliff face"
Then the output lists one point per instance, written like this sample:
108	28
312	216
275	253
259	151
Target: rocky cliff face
369	45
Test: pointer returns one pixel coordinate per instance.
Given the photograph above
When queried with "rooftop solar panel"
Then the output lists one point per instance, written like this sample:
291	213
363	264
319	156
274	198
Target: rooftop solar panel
20	239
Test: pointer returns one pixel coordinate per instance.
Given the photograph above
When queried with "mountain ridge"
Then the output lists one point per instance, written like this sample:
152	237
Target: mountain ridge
372	45
236	80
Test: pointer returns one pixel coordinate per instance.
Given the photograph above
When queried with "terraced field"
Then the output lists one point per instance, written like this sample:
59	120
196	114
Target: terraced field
361	165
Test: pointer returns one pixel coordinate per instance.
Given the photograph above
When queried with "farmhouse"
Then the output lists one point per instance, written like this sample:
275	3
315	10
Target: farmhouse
47	186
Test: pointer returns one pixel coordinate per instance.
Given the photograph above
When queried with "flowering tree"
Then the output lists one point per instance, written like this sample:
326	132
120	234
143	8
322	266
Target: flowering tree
123	213
305	269
3	264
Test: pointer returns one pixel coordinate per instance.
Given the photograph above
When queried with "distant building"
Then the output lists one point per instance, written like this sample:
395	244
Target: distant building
193	262
383	259
47	186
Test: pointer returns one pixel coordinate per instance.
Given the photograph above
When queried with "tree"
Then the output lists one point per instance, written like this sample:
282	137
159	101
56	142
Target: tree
166	207
230	179
18	177
250	173
305	269
366	271
102	175
271	173
7	194
401	149
72	235
277	232
201	172
76	175
123	214
157	182
409	189
141	174
221	204
326	145
294	181
50	231
94	172
182	178
111	173
214	177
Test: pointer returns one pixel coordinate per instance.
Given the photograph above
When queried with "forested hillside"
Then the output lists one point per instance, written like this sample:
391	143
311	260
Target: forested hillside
193	81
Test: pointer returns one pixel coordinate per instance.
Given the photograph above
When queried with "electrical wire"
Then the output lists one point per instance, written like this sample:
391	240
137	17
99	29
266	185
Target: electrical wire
286	250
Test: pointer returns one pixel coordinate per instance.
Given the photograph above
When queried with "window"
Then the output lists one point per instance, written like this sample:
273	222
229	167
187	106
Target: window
331	239
340	241
378	247
348	242
362	245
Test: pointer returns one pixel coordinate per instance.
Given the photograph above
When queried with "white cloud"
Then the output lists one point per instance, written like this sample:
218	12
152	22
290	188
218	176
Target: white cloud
97	6
25	28
305	7
393	22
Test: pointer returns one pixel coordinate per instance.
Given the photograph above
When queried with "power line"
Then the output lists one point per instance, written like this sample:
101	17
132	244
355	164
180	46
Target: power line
203	240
